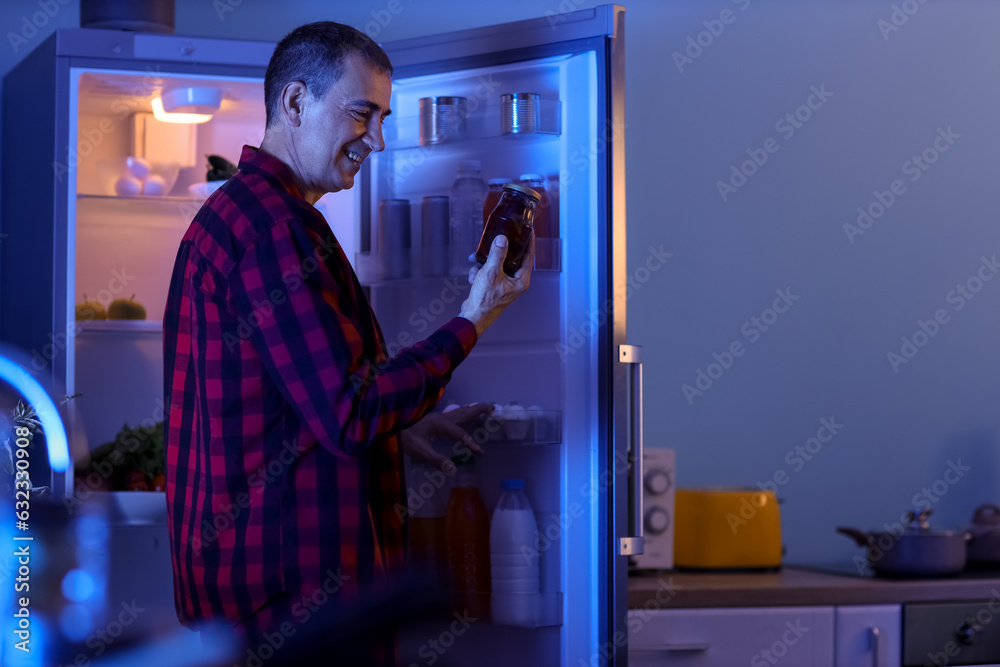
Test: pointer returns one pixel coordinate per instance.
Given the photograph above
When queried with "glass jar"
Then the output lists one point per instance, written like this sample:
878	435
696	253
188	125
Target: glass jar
512	217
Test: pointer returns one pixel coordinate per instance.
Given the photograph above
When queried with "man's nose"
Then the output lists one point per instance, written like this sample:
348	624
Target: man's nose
374	137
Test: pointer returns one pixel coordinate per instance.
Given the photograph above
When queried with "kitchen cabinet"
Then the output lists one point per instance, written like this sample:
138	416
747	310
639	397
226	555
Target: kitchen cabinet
849	636
802	636
868	636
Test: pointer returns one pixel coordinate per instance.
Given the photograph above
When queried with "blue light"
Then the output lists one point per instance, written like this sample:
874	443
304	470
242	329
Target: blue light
78	586
91	531
76	622
38	398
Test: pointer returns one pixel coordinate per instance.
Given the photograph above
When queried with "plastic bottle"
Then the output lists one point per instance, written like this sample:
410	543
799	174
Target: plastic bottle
468	193
467	526
514	562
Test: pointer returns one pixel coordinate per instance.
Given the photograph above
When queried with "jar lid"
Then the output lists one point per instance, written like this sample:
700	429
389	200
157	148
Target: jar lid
523	190
531	177
499	181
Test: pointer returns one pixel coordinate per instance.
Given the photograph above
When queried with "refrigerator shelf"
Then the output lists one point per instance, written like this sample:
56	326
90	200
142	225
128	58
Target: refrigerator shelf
532	427
535	427
523	610
403	132
408	264
139	198
121	326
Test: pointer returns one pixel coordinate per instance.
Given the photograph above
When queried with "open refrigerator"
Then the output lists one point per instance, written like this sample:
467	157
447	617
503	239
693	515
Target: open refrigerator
561	349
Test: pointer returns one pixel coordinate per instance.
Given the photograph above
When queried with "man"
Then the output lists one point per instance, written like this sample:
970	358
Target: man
283	436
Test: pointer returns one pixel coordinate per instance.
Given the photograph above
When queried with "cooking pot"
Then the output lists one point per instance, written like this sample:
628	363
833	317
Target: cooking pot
984	547
913	550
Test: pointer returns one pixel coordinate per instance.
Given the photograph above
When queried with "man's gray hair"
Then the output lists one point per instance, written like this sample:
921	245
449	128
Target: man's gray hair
314	54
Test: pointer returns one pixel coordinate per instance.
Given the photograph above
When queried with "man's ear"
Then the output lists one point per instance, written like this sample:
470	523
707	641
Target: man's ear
293	101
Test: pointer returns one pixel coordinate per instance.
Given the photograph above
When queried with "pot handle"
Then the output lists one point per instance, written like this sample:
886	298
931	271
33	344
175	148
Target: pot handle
986	514
859	536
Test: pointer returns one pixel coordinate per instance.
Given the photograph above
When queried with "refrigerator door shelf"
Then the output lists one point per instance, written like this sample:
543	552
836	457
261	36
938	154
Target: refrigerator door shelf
165	200
481	128
543	609
407	264
535	427
129	507
524	610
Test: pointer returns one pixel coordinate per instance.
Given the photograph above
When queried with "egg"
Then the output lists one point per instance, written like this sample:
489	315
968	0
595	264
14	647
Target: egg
450	407
137	167
516	424
126	185
544	429
494	423
155	186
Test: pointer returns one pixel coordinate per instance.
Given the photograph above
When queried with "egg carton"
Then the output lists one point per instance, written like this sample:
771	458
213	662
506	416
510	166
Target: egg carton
516	424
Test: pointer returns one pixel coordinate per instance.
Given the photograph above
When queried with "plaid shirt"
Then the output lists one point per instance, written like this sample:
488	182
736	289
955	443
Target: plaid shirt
284	471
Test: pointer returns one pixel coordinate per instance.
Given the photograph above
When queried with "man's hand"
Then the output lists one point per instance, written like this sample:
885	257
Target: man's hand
492	289
418	438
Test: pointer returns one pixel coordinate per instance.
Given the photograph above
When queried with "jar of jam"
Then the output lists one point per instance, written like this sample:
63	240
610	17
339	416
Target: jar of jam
512	217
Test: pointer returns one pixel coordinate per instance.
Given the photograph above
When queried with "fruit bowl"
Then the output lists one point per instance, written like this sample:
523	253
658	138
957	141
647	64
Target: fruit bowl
204	190
131	176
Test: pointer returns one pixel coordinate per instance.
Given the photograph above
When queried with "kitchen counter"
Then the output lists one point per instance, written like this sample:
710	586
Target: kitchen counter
798	586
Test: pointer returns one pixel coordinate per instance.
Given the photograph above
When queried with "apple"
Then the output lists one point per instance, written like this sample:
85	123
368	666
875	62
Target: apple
126	309
90	310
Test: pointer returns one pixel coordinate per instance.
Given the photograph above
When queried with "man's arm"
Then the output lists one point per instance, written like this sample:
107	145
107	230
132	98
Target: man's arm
310	342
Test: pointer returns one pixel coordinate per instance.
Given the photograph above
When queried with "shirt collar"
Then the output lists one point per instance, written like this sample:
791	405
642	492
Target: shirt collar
254	160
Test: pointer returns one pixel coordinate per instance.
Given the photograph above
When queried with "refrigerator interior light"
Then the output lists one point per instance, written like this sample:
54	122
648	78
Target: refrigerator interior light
187	105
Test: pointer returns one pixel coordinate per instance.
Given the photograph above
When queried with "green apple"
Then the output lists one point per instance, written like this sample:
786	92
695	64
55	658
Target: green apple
90	310
126	309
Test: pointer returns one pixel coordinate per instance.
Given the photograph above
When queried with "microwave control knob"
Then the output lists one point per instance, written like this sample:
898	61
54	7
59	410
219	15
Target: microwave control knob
657	480
657	520
968	632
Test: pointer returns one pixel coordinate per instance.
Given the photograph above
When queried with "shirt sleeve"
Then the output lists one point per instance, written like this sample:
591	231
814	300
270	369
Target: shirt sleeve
308	331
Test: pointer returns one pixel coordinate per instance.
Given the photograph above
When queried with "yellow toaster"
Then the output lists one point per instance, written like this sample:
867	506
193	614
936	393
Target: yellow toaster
727	528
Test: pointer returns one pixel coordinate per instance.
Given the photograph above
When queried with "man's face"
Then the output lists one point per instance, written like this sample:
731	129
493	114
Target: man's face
341	129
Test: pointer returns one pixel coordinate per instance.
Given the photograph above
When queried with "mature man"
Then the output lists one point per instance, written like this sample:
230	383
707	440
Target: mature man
283	436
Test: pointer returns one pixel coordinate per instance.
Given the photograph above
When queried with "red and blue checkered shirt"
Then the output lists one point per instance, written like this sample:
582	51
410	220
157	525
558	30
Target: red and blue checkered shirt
284	471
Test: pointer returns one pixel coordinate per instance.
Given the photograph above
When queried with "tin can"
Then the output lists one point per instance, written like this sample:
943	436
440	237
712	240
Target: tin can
520	113
393	238
434	226
441	118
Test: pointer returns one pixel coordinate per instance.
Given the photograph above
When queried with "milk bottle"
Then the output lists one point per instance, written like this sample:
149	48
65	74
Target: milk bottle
513	559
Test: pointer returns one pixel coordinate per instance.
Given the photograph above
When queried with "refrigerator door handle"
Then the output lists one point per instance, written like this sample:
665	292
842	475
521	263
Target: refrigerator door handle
632	545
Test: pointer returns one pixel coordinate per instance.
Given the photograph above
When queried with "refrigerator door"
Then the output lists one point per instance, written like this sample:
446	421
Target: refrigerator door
557	350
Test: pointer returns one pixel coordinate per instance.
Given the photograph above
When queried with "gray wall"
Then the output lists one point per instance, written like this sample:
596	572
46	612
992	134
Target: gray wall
852	295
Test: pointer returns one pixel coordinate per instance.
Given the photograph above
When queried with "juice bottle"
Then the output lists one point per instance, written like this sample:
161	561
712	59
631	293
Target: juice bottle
426	544
545	224
493	197
537	183
467	526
